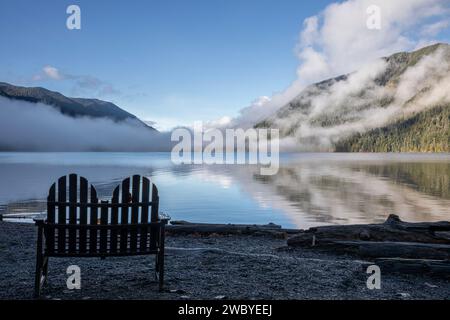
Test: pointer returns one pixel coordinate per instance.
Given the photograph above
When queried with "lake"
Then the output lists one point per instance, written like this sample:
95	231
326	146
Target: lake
310	189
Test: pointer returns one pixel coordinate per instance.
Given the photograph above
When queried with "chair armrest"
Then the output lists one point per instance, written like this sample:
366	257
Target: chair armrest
164	217
39	221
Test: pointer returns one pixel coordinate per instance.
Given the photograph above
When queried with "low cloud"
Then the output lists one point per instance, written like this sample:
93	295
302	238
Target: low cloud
26	126
337	41
360	103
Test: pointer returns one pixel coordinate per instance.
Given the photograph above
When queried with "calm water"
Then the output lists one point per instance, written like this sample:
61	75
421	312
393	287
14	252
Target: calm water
309	189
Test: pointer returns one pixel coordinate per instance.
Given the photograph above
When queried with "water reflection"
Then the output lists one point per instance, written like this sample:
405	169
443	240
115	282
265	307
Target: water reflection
309	189
337	193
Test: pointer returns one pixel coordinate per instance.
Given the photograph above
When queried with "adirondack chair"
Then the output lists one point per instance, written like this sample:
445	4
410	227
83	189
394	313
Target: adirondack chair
79	225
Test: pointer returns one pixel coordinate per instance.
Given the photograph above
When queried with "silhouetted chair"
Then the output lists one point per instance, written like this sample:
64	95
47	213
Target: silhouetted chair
78	225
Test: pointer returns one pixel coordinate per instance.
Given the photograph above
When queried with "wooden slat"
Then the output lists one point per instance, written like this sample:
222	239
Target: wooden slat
109	205
62	214
124	213
99	205
50	235
93	221
119	254
73	190
135	196
154	215
83	213
114	220
99	226
103	232
144	211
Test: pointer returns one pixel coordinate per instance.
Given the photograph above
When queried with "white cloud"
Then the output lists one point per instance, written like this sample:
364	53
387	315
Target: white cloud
359	103
432	30
82	84
310	31
317	66
165	124
345	43
52	73
337	41
219	123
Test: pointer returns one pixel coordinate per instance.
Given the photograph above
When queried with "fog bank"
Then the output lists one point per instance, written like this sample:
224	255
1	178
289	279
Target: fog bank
26	126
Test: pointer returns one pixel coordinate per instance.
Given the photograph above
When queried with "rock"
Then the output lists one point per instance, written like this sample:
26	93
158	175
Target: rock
364	235
392	218
179	291
403	295
414	266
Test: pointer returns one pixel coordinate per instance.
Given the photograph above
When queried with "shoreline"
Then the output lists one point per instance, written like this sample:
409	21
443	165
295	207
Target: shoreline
234	266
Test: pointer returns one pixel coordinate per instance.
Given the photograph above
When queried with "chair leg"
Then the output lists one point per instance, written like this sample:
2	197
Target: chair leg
156	266
45	270
38	275
161	257
37	281
39	265
161	269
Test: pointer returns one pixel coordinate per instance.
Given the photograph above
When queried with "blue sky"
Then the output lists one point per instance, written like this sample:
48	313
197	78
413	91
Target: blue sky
173	62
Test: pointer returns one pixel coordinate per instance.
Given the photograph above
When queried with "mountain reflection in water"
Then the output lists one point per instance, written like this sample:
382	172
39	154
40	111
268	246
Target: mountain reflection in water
309	189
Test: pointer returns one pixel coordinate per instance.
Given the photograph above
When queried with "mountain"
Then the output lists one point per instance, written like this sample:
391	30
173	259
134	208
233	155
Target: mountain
427	131
72	107
400	103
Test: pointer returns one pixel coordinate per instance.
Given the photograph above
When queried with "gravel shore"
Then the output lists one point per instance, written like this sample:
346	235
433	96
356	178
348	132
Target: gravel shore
214	267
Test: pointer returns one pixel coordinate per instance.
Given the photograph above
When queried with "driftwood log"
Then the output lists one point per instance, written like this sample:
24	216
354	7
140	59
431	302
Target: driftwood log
388	249
400	265
393	229
204	229
395	245
392	239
